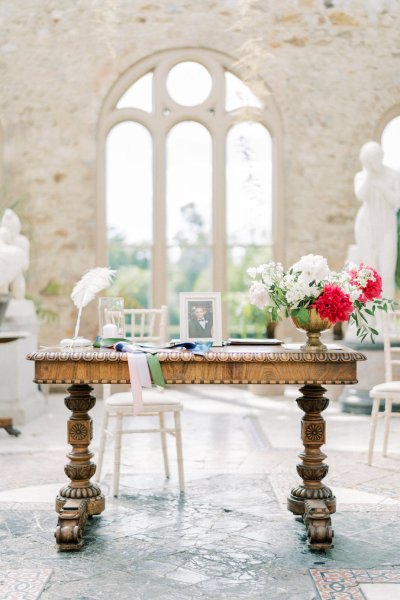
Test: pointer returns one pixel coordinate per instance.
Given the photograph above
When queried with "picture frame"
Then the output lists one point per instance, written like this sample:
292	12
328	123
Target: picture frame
200	317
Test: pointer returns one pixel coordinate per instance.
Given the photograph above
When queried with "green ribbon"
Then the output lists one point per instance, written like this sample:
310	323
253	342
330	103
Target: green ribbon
155	370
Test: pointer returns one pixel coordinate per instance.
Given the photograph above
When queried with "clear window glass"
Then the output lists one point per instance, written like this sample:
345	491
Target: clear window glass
139	95
248	184
244	319
189	269
238	94
248	220
189	83
189	184
391	143
129	210
189	205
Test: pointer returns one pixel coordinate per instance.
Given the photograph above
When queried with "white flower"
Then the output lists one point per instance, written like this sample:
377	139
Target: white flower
296	290
311	267
252	271
364	275
342	280
259	295
271	273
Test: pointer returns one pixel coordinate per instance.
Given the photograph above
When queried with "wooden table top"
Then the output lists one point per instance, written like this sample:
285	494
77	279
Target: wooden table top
228	364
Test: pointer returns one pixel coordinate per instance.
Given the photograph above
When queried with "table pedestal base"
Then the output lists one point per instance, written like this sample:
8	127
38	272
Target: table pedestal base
317	519
80	498
312	499
7	424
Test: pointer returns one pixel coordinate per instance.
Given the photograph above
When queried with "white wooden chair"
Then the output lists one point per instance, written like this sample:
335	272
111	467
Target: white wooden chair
142	325
390	390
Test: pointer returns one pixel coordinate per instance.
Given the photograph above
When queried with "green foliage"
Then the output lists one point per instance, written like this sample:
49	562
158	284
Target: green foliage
245	319
44	314
361	321
122	254
53	288
189	271
132	283
301	314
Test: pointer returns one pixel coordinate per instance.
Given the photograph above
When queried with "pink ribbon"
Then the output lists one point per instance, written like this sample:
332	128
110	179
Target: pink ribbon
140	377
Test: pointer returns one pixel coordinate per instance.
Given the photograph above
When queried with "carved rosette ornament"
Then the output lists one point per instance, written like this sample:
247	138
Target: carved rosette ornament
80	497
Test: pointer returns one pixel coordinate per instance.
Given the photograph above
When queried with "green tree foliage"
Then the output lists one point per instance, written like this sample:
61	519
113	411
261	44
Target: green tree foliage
190	271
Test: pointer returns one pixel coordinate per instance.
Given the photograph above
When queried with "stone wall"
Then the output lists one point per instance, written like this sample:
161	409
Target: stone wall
333	74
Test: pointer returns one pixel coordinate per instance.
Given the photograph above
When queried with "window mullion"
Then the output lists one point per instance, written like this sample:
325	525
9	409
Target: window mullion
159	261
218	133
219	217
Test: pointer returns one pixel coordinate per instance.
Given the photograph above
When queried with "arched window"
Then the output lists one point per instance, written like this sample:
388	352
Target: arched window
188	202
390	141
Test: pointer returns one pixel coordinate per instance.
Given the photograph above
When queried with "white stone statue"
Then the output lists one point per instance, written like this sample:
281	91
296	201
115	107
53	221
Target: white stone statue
14	255
378	189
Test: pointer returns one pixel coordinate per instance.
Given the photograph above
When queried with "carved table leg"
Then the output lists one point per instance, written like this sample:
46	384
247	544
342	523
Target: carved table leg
313	499
7	424
80	498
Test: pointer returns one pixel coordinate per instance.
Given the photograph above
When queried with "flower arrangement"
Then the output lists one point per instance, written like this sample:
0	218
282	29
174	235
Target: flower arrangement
351	295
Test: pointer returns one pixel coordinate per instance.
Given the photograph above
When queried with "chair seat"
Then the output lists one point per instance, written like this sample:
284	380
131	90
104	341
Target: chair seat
151	400
388	387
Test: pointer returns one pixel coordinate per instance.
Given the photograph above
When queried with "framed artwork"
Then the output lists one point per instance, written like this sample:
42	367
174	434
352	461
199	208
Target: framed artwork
200	317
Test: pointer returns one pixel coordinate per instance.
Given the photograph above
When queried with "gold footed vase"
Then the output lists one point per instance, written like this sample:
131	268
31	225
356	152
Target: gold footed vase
313	328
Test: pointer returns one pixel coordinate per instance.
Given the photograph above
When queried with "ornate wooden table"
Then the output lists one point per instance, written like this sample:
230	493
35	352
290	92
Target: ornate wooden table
312	499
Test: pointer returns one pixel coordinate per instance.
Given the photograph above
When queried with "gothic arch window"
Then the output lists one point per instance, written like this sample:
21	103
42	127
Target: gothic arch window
390	140
188	176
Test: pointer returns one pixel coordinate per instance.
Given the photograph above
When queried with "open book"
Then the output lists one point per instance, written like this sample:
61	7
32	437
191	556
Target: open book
253	342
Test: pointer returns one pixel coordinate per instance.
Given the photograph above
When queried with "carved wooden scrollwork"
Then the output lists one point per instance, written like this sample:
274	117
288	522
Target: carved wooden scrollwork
80	405
71	523
312	473
317	519
76	472
214	356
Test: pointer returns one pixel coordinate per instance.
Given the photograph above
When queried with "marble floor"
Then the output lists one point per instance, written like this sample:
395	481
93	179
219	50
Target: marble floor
230	535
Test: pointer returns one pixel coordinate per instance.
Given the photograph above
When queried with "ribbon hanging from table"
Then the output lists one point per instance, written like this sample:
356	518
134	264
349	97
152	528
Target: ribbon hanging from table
143	361
140	377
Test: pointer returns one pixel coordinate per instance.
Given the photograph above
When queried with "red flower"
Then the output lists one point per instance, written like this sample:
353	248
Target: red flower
333	304
373	287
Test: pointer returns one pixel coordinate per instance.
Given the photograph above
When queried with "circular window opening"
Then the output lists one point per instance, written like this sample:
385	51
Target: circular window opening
189	83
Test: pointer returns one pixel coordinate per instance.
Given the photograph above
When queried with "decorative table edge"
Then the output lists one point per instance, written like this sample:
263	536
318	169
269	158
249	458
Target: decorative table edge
344	355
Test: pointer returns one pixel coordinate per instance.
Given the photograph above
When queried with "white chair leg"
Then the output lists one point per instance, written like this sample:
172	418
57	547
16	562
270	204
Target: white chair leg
374	420
117	453
164	444
179	454
45	389
99	467
388	414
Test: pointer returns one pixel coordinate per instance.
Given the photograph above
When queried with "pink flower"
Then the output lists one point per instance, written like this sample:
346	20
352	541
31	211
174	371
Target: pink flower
368	281
333	304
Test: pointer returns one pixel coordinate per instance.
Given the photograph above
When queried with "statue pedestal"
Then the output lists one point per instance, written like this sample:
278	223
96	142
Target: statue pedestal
355	398
20	398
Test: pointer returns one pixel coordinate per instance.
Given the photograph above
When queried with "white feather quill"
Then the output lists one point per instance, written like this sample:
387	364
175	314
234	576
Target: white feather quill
86	289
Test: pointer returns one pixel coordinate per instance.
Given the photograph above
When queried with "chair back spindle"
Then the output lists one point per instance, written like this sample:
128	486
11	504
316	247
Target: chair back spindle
146	324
